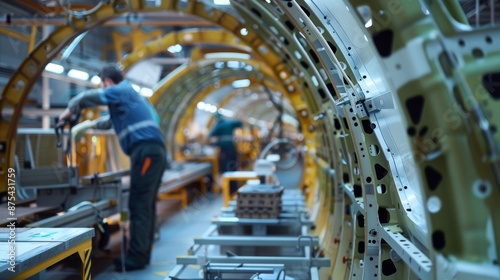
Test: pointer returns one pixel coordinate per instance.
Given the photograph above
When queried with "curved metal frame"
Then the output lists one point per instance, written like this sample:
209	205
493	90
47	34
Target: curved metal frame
361	159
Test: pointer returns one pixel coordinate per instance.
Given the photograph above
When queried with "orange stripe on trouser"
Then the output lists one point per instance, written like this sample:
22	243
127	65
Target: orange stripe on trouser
146	165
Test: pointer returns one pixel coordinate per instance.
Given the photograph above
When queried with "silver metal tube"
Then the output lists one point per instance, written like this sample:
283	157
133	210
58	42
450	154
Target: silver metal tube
83	217
492	12
314	273
477	13
67	52
163	19
45	89
315	262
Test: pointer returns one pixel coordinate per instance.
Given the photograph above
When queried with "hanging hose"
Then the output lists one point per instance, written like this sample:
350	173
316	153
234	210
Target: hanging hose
79	14
286	149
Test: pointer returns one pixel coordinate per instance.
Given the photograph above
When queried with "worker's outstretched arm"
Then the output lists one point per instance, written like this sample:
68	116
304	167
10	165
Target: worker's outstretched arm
87	99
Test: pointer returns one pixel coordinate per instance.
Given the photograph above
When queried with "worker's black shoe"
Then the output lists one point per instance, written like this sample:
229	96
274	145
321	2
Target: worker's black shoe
129	265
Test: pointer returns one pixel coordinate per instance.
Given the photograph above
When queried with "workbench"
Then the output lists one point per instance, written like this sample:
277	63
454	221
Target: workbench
40	248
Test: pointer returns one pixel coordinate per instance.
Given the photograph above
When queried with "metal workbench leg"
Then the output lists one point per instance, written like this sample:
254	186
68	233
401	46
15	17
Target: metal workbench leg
184	198
203	186
84	254
226	191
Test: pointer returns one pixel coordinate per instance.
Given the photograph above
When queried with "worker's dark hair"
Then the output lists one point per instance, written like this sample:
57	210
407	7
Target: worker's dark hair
112	72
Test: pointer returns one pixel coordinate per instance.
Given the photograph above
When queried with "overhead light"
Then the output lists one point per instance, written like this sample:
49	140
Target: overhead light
153	3
219	55
146	92
225	112
175	48
234	64
206	107
369	23
54	68
77	74
136	87
212	109
222	2
200	105
241	83
219	64
244	31
95	80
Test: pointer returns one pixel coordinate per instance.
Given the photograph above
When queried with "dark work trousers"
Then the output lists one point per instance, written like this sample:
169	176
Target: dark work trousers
228	161
148	162
228	158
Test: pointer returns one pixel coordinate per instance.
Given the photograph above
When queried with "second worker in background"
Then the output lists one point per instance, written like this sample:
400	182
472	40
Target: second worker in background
224	139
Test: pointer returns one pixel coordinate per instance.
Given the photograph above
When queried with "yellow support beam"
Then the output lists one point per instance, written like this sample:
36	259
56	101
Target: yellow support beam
32	40
14	34
137	37
185	37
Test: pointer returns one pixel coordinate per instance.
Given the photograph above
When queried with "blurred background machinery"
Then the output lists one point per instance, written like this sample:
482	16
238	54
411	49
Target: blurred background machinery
380	118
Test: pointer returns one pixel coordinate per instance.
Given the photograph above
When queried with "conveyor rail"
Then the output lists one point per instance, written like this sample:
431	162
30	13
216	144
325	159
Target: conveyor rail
255	241
258	242
294	261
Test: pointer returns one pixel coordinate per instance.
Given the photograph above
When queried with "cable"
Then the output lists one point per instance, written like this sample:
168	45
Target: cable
177	278
279	142
79	14
256	276
284	274
86	203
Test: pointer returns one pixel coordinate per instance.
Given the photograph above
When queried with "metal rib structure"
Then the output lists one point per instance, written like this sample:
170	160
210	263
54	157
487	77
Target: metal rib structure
400	121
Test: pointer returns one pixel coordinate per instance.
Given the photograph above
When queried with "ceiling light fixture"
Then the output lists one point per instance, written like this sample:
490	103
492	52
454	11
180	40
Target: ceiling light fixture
77	74
241	83
222	2
146	92
95	80
54	68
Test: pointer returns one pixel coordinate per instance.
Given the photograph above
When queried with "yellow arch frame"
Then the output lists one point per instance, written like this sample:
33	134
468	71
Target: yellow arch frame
184	37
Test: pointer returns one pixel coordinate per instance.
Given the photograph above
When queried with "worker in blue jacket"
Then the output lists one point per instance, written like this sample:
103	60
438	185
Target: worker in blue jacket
136	124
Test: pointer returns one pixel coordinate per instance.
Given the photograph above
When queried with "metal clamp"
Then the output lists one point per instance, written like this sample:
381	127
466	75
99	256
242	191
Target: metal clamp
380	102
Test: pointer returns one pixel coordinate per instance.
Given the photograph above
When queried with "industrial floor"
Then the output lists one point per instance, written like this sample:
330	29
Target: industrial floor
178	228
